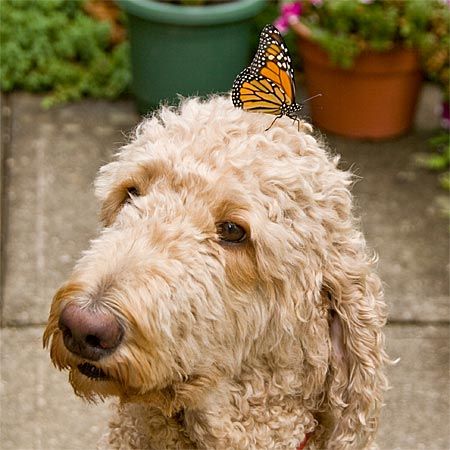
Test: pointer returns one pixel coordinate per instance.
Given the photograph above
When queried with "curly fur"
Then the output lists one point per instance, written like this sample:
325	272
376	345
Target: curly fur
246	346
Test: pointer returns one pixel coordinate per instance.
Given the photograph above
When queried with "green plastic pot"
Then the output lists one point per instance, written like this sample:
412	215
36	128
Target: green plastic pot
187	50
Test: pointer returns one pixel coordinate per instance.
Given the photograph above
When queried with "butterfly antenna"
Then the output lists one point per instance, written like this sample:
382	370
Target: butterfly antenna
310	98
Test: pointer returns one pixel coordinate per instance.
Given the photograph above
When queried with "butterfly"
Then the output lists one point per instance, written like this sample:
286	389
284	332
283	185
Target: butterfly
267	85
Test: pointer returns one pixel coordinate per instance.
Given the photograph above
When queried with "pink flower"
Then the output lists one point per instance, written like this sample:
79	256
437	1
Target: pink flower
291	9
290	12
282	24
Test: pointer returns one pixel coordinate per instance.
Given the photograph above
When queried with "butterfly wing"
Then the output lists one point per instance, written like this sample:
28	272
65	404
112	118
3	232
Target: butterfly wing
272	60
256	93
267	85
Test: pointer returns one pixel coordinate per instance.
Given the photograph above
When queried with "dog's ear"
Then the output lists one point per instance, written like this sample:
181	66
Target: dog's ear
355	380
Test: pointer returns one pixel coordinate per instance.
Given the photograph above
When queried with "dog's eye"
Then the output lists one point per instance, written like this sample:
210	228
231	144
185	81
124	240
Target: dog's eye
231	232
132	192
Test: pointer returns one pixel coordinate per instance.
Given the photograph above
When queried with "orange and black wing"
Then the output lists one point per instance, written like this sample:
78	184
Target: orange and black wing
267	85
256	93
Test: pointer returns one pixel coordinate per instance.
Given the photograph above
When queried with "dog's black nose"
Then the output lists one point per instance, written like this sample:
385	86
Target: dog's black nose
89	334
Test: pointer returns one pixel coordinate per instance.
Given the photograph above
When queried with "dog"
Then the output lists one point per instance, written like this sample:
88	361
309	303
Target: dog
230	301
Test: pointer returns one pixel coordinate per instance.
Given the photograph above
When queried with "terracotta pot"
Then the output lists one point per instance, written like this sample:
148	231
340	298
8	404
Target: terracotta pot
375	99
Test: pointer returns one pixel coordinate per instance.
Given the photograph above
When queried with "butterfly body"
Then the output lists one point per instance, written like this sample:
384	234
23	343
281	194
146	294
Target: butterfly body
267	85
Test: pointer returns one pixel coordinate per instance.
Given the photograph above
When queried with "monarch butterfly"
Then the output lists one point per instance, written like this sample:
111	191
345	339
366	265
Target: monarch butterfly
267	85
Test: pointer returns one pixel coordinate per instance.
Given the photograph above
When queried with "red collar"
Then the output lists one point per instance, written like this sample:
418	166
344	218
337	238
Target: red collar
302	444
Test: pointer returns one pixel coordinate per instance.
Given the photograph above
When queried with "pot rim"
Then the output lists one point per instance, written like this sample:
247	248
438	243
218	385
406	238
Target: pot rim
156	11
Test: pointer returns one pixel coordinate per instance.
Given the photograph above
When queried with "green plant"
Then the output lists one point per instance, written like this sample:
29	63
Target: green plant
434	47
345	28
439	160
54	46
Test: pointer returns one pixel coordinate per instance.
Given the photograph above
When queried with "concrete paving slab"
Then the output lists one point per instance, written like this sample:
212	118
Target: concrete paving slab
401	217
417	411
40	411
50	167
428	114
400	206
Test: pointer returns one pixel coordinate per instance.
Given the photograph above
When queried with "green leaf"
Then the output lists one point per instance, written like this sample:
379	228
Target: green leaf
54	46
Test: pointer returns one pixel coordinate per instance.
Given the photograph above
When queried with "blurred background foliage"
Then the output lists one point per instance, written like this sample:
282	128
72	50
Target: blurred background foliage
72	49
438	158
66	48
78	48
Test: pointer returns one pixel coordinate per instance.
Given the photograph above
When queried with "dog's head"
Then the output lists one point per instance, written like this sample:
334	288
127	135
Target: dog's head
222	244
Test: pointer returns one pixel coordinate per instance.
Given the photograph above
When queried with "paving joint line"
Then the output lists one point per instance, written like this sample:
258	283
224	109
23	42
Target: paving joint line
5	152
419	322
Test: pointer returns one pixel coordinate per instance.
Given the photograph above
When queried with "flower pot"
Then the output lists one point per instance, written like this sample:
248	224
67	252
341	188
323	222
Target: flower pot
375	99
187	50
